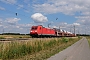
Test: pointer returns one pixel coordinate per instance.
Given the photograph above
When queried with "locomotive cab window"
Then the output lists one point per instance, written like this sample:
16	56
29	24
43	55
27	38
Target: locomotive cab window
34	28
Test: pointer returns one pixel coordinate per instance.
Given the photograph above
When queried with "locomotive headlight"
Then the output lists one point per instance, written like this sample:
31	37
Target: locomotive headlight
30	31
35	31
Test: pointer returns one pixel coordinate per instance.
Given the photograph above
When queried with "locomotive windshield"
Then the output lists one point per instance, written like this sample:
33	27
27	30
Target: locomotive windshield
34	28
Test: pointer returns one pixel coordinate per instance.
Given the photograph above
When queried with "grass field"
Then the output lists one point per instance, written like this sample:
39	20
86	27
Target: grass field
88	38
14	36
34	49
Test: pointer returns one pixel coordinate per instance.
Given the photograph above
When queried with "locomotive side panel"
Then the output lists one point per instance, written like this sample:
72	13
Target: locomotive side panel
38	31
48	32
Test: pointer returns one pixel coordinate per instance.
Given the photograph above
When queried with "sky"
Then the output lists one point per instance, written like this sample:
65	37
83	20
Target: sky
18	16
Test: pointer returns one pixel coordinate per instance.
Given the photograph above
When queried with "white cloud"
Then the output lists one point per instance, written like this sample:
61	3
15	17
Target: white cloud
38	17
9	1
20	6
12	20
1	20
84	22
87	13
11	25
77	24
26	1
68	7
54	27
2	8
45	8
1	25
83	17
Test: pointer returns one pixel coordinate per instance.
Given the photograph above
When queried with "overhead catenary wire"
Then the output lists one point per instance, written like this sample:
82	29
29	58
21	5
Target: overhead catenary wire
16	13
14	4
18	5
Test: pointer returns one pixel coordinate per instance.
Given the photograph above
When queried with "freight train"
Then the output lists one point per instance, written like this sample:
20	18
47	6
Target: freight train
40	31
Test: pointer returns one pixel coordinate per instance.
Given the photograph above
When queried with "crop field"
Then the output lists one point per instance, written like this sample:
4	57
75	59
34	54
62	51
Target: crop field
14	36
34	49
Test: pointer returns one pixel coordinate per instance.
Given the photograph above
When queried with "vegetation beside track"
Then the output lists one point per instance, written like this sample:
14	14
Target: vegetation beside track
34	49
88	38
14	36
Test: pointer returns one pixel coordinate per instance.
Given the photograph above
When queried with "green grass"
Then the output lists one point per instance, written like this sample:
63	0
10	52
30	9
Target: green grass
88	38
34	49
1	37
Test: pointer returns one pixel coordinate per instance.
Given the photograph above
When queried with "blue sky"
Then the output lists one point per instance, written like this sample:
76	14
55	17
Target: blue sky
43	12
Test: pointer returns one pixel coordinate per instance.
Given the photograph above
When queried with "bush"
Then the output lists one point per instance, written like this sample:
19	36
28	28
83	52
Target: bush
2	38
79	37
65	40
20	37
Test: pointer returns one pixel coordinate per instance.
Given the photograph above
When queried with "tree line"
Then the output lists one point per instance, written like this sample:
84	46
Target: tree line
13	34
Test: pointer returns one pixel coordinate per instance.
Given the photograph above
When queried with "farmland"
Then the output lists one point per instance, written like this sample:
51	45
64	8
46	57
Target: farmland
34	49
14	36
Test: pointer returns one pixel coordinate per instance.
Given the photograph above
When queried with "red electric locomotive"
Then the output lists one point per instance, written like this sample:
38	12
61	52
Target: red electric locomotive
40	31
